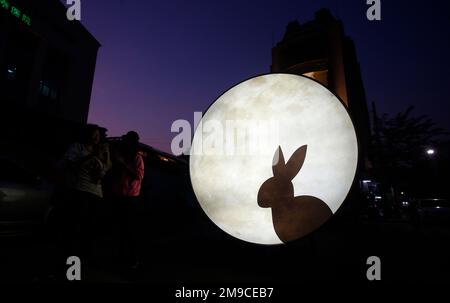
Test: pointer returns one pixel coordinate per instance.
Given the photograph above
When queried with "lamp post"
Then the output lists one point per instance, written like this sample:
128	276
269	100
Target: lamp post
431	155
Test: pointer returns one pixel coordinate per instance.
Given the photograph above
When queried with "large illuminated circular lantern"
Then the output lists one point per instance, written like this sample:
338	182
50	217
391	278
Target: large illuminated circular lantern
273	158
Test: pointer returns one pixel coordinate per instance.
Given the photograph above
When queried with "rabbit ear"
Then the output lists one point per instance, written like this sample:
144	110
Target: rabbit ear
278	165
295	163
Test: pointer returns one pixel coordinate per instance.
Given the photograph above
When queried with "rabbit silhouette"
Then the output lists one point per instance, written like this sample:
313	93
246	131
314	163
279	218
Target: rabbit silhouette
293	217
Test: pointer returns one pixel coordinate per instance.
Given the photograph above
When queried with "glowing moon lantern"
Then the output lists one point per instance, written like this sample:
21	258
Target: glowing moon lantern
273	158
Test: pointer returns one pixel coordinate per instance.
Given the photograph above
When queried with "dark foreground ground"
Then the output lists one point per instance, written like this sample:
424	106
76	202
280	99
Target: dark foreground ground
193	250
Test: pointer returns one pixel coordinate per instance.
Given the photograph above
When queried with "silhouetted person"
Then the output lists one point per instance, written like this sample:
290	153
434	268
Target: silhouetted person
84	164
128	173
293	217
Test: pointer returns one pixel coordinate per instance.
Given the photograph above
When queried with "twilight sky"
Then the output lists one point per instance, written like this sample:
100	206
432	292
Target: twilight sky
163	60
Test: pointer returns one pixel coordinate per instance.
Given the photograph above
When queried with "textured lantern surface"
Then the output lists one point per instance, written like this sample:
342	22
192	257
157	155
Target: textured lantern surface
283	188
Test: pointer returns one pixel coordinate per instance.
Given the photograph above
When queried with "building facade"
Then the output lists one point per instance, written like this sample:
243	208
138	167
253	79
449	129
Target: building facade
47	62
319	49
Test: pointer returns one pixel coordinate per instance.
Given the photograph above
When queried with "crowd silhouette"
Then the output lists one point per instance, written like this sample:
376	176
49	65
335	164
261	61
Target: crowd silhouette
98	195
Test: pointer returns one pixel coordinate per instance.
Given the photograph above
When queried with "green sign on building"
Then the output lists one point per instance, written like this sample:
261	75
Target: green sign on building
15	11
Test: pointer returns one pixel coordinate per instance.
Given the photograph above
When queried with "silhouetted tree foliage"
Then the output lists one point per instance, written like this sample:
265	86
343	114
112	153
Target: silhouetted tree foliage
400	143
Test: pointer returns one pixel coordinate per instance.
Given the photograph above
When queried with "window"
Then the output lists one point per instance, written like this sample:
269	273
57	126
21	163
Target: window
48	89
11	72
52	80
321	76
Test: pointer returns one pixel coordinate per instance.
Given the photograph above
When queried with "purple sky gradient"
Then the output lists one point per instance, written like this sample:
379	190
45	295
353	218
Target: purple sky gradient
163	60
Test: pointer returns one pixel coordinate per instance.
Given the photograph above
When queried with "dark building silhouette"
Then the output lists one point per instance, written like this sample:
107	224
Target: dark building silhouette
320	49
47	66
47	62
